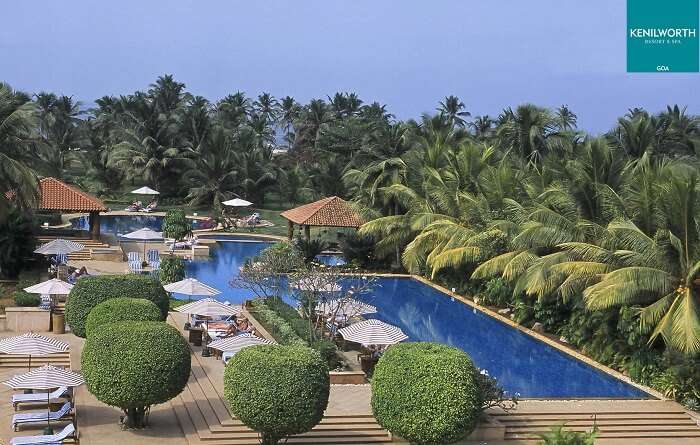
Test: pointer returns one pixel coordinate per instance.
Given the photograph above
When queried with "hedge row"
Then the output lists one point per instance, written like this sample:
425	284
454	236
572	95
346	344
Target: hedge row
287	326
276	325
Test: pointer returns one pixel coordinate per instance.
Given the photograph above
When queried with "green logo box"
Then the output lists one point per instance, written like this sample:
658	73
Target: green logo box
662	36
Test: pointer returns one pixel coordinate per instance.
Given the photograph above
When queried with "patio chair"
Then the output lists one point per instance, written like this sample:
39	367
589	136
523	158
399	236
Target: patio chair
41	417
133	256
155	265
152	256
49	439
61	258
35	397
135	267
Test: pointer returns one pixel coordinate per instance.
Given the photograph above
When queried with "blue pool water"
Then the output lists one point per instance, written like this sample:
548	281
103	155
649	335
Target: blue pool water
115	225
520	362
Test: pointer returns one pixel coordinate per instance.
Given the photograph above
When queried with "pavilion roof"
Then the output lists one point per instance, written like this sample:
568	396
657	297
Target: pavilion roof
328	212
57	195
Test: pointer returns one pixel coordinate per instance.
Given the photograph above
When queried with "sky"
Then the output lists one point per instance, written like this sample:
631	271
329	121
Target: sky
408	54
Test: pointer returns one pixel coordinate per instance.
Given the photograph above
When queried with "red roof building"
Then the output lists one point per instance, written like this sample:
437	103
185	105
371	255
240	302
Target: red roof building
326	212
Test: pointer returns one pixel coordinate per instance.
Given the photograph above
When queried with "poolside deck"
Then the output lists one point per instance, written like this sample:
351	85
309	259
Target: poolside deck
199	415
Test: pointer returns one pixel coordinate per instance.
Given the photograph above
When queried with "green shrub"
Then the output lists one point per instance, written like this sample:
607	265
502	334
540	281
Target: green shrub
277	390
286	325
176	225
329	353
276	325
559	436
496	292
25	299
426	393
90	291
358	249
121	309
309	248
135	364
172	269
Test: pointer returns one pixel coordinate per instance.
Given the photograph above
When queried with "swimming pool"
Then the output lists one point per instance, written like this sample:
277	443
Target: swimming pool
122	224
520	362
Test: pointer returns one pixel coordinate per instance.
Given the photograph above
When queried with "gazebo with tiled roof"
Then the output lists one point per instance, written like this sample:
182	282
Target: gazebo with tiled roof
57	195
326	212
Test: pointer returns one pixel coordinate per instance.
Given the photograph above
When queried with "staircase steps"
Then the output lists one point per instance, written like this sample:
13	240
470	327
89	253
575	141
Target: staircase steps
205	419
61	359
630	424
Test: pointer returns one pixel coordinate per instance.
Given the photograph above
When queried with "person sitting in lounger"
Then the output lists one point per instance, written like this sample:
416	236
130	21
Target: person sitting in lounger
151	206
231	331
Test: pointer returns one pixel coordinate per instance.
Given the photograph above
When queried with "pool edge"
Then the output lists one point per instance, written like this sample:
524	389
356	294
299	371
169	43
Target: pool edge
559	346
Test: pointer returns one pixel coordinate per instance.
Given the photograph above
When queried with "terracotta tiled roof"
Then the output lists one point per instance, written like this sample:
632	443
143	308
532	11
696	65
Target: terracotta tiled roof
329	212
57	195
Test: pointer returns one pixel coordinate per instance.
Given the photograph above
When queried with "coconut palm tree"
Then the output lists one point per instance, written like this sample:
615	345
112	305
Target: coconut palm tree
454	110
530	131
18	181
216	175
144	156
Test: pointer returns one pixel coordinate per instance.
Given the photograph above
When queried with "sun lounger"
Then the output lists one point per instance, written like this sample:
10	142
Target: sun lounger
152	255
133	256
40	417
39	396
50	439
135	267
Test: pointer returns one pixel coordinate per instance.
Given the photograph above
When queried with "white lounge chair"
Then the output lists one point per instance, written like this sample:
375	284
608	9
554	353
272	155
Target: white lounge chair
50	439
135	267
41	417
133	256
35	397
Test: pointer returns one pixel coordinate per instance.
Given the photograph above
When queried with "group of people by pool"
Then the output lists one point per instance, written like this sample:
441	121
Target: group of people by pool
137	206
230	327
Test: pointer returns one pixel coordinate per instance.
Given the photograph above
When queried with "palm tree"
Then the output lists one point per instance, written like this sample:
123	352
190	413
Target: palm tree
18	181
267	107
233	110
482	126
290	113
215	177
636	135
530	131
454	110
145	157
566	119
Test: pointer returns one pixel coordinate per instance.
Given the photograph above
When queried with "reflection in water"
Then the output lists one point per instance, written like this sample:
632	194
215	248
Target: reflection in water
521	363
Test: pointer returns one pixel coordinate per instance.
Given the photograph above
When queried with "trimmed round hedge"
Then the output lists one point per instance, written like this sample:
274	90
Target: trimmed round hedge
121	309
426	393
88	292
277	390
135	364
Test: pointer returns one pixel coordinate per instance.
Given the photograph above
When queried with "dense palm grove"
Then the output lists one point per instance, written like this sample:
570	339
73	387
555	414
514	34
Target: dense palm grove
596	238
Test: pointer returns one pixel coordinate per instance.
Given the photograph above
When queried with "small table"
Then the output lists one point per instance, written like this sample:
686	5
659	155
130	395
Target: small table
195	336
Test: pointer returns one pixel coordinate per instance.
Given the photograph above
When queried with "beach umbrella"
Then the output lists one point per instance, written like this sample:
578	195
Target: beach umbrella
145	234
59	247
32	344
46	378
235	344
346	306
192	287
53	286
373	332
208	307
237	202
145	191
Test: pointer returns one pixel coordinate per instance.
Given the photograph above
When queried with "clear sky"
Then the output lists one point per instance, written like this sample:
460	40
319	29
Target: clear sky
405	53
